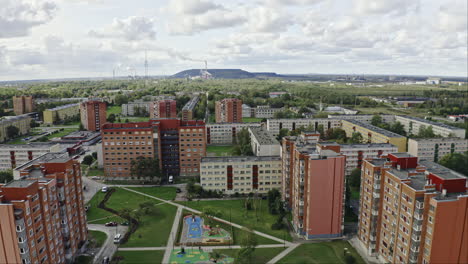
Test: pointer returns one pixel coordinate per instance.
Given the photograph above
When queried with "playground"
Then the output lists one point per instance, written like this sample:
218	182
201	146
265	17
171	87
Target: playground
196	256
195	232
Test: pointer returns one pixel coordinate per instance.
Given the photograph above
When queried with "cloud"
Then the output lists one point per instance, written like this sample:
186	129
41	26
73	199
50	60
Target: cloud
131	28
452	17
293	2
18	17
192	7
382	7
263	19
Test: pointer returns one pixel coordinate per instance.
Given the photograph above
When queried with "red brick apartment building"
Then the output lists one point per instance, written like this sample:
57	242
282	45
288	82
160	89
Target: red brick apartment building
413	211
23	104
42	215
93	114
228	110
313	187
163	109
178	145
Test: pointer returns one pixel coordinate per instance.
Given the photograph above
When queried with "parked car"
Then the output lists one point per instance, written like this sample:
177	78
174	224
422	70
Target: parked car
111	224
105	260
104	189
117	238
171	179
124	223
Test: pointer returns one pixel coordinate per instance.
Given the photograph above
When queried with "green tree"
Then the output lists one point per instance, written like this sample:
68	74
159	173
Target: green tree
120	99
426	132
456	161
356	138
282	133
6	176
248	242
355	178
376	120
33	123
12	131
242	145
215	256
148	208
88	160
94	154
111	118
81	127
146	167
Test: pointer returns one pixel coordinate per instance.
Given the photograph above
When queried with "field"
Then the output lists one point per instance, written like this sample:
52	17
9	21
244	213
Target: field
327	252
114	110
140	257
251	120
96	172
219	150
166	193
98	238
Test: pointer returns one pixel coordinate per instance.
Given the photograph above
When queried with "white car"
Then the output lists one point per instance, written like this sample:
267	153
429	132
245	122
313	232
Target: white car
117	238
104	189
171	179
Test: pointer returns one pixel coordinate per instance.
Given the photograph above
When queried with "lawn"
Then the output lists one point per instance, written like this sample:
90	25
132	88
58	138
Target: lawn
260	255
240	216
83	260
98	237
251	120
94	213
166	193
327	252
355	193
220	150
96	172
135	119
137	257
114	110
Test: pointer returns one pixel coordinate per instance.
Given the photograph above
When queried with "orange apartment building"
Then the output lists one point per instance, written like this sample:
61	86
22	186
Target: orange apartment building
23	104
163	109
313	187
93	114
42	212
413	211
228	110
178	145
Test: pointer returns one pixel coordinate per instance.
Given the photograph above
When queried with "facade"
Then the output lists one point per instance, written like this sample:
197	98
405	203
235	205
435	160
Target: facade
435	148
356	153
13	155
23	104
373	134
189	108
242	175
60	113
93	114
225	134
275	125
313	187
163	109
228	111
413	212
265	111
136	108
413	124
22	122
263	142
363	118
178	145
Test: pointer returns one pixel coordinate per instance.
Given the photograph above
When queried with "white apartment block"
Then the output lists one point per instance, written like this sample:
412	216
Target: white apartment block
413	124
263	142
364	118
225	133
265	111
275	125
129	109
242	175
435	148
14	155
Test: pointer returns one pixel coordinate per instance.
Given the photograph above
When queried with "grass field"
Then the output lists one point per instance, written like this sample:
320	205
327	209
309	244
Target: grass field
220	150
327	252
98	237
241	216
260	255
166	193
95	213
140	257
251	120
114	110
96	172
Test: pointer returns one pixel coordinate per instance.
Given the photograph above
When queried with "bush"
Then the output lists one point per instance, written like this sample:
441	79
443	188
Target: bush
349	259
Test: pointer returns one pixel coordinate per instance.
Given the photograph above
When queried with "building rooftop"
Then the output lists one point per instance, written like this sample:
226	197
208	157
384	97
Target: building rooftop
13	118
190	105
39	145
437	140
19	183
359	146
81	135
431	122
377	162
441	171
240	159
402	155
374	128
263	136
51	157
62	107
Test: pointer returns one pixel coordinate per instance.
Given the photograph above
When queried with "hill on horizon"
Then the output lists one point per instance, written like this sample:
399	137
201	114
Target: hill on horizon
226	74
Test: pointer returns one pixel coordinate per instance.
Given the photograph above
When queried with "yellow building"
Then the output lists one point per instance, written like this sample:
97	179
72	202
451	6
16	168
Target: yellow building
373	134
22	122
61	113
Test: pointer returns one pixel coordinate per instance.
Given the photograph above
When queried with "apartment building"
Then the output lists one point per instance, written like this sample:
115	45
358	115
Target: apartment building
261	111
413	124
435	148
356	153
242	175
178	145
93	114
263	142
13	155
225	133
189	108
313	187
413	212
373	134
46	200
228	110
61	113
136	108
23	104
22	122
275	125
364	118
163	109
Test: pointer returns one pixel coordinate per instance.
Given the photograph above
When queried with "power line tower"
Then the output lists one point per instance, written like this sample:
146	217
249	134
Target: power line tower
146	65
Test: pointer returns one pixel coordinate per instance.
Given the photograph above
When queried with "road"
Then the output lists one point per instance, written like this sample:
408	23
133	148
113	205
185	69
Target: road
108	248
92	187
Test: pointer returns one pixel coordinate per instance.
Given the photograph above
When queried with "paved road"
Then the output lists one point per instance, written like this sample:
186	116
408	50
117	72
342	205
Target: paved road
92	187
208	248
108	248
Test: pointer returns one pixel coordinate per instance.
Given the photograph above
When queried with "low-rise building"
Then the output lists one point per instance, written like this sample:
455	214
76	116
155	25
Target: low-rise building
277	94
61	113
263	142
414	124
265	111
13	155
373	134
22	122
275	125
225	133
248	174
435	148
364	118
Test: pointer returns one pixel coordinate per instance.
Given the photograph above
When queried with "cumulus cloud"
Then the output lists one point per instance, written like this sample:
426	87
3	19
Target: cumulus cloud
192	7
263	19
452	17
131	28
381	7
17	17
293	2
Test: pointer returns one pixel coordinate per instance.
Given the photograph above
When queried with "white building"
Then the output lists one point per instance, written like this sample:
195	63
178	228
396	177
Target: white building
242	175
364	118
413	124
433	81
14	155
129	109
435	148
275	125
263	142
265	111
225	133
247	111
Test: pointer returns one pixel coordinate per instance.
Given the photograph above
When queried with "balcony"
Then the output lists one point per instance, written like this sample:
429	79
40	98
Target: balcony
415	249
375	212
377	187
418	216
376	195
301	202
419	205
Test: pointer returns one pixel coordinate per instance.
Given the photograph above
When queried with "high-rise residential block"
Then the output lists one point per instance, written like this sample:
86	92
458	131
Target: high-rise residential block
313	188
14	155
23	104
228	110
189	108
93	114
413	211
435	148
163	109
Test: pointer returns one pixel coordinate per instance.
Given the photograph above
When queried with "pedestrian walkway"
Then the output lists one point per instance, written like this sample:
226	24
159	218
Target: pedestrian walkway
171	240
283	254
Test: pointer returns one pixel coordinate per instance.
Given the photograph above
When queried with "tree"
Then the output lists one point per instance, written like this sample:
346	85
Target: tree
94	154
88	160
398	128
272	197
6	176
376	120
120	99
12	131
81	127
248	243
111	118
33	123
242	145
336	133
148	208
215	256
426	132
282	133
355	178
349	259
456	161
146	167
356	138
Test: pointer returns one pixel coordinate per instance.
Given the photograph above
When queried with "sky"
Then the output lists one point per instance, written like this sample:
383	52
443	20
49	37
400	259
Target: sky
42	39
